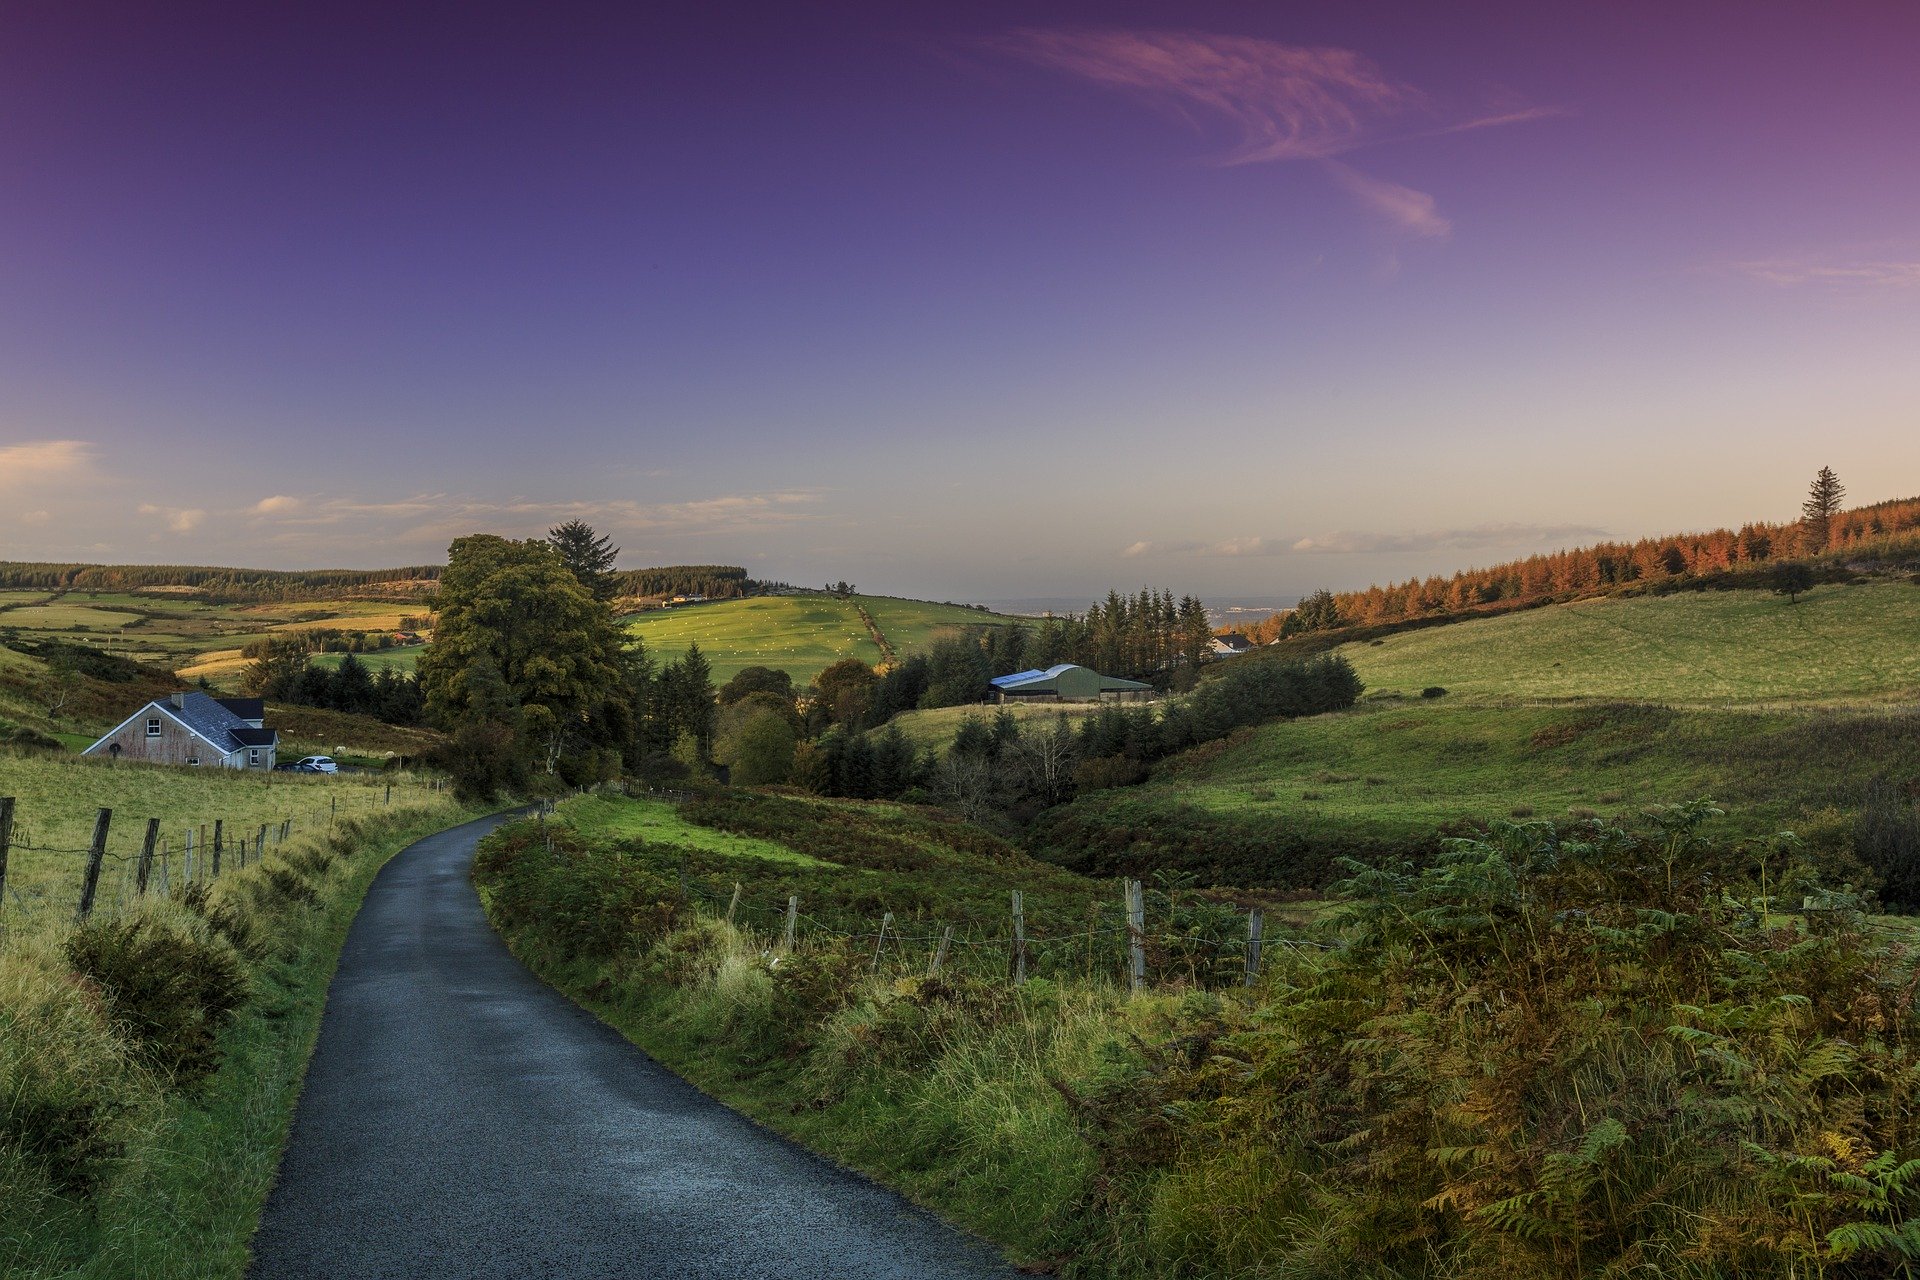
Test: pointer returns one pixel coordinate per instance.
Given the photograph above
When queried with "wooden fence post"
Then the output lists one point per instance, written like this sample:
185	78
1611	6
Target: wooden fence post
146	857
793	919
95	855
1136	936
734	906
940	955
219	843
885	920
6	841
1253	945
186	860
260	845
389	799
1019	940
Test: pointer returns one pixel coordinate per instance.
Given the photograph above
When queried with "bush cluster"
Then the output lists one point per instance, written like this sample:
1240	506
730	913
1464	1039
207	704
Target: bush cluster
169	982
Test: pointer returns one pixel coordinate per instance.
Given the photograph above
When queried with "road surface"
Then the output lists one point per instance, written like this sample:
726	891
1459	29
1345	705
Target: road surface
463	1119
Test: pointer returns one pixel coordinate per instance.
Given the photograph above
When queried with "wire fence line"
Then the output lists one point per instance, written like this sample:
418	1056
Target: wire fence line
136	865
1131	944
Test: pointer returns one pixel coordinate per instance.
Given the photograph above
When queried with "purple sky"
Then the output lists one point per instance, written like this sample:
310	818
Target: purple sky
1026	299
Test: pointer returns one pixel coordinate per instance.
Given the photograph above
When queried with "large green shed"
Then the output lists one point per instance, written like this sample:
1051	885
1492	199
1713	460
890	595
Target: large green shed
1068	683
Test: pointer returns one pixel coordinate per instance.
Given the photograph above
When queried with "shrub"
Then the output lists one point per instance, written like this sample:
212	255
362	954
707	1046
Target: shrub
169	982
1886	837
1107	772
1432	690
71	1098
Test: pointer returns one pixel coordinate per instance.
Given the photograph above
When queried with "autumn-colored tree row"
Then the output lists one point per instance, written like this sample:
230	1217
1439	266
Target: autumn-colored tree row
1606	566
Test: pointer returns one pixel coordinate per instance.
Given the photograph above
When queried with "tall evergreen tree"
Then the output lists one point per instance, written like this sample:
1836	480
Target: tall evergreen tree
589	556
1824	496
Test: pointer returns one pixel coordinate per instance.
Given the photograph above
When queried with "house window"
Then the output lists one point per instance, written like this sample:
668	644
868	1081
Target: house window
153	726
253	755
193	759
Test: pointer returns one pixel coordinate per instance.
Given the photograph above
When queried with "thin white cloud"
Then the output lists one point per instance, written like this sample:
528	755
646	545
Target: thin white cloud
36	517
1876	274
176	519
278	504
1478	537
1262	101
39	462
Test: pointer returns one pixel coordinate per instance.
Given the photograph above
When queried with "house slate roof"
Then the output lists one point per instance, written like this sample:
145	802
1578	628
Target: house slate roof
245	708
215	721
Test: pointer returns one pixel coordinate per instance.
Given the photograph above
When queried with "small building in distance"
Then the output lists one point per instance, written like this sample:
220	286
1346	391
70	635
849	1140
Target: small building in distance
1068	683
1230	645
194	728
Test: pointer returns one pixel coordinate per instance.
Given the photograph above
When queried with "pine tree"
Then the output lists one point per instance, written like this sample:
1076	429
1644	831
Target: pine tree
588	555
1823	503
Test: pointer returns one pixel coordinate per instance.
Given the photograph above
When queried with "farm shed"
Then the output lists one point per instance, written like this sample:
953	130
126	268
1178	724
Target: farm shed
194	728
1068	683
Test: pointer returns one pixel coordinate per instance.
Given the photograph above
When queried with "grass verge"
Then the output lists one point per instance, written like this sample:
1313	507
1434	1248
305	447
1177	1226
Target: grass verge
185	1194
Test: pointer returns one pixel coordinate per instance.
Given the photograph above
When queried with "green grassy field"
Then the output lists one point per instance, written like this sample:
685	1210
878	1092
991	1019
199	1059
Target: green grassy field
1839	643
656	821
57	798
801	635
1396	769
403	659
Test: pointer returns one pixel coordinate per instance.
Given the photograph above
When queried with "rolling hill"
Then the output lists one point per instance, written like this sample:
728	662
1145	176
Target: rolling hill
800	634
1854	642
1783	713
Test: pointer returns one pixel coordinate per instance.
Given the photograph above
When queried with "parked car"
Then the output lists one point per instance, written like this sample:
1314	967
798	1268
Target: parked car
294	766
318	764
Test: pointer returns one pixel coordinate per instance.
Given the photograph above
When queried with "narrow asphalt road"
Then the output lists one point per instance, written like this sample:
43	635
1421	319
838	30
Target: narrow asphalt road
461	1118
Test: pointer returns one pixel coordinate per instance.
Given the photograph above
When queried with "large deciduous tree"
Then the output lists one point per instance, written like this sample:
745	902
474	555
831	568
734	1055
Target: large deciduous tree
518	630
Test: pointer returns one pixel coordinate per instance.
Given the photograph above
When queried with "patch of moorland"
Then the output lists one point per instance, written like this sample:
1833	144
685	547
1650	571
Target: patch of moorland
1552	1052
150	1059
853	863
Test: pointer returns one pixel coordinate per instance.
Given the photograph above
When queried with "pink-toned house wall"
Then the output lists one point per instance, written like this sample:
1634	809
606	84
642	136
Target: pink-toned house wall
175	745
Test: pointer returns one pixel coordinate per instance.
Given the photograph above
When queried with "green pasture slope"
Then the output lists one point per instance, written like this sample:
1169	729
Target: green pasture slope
801	635
1838	644
1781	713
402	659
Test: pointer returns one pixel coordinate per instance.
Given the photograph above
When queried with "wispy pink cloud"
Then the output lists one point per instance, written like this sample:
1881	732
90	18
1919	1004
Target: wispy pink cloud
1263	101
1276	101
1412	213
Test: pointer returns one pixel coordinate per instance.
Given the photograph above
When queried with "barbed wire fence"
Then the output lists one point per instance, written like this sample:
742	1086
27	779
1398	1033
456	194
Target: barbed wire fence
129	859
1116	938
